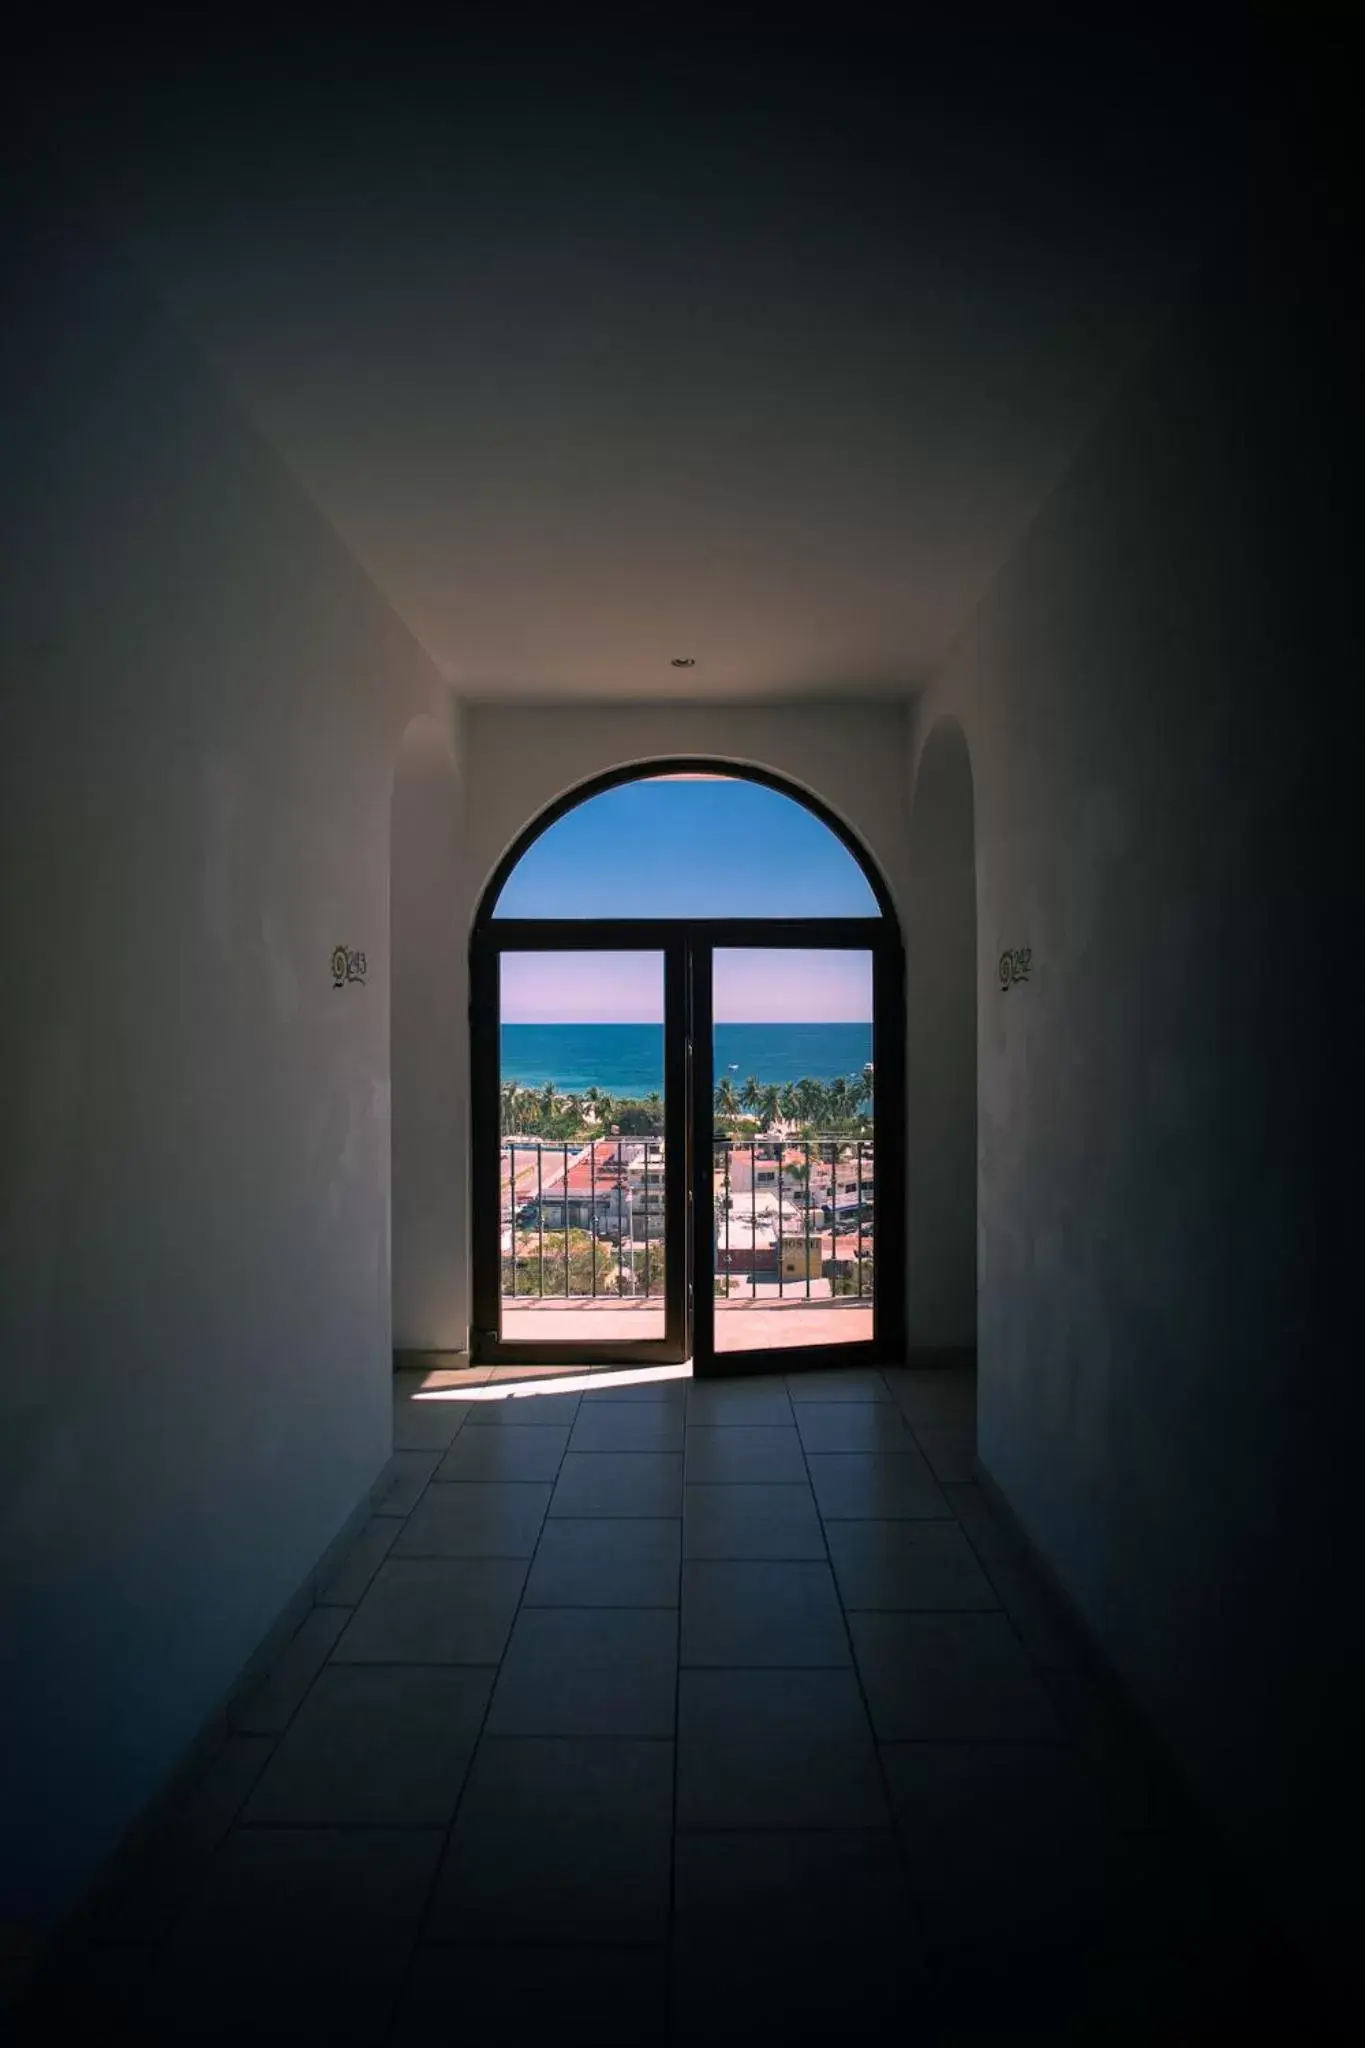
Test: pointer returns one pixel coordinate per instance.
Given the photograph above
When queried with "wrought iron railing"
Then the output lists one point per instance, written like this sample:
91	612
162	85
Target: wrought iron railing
794	1218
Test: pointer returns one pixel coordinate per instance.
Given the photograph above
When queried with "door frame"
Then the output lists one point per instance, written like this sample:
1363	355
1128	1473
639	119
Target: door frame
687	946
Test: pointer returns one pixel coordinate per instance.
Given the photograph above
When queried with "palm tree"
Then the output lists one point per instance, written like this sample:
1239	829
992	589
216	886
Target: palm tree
547	1100
751	1095
727	1101
655	1106
772	1098
810	1096
511	1096
789	1102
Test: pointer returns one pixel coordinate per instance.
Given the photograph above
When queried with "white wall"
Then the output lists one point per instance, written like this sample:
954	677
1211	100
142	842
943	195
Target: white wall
940	1045
430	1034
203	700
1139	692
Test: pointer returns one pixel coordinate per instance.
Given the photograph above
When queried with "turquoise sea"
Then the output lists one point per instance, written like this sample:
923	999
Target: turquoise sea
627	1060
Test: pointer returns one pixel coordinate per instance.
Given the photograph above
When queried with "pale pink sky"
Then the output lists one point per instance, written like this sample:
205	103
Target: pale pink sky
759	985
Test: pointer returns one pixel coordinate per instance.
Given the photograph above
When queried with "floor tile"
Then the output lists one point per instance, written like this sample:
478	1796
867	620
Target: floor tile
670	1393
88	2002
347	1583
435	1611
375	1745
270	1706
273	1994
853	1383
330	1886
775	1749
628	1426
505	1454
1049	1634
524	1411
829	1885
571	1997
1012	1847
853	1426
950	1448
468	1519
933	1394
757	1613
906	1564
405	1479
760	1455
751	1521
986	1534
728	1995
588	1671
560	1840
147	1889
939	1677
874	1486
427	1425
737	1403
601	1483
618	1562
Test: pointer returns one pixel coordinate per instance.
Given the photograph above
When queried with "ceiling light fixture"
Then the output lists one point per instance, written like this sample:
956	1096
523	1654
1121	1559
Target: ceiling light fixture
683	661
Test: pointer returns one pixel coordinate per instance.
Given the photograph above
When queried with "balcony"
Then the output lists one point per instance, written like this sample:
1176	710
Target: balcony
582	1231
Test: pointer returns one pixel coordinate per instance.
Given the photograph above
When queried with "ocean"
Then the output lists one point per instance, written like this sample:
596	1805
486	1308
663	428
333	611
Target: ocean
627	1060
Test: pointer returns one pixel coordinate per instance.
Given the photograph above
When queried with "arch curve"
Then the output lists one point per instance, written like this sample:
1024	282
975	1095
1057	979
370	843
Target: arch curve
717	767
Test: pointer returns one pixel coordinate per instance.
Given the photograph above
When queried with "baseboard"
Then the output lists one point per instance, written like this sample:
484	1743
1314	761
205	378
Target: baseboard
430	1361
46	1950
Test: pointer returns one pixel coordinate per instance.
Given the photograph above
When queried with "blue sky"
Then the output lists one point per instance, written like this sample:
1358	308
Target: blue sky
756	985
697	847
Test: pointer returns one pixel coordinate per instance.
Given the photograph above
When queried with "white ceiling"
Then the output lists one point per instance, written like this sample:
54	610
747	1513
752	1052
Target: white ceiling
760	349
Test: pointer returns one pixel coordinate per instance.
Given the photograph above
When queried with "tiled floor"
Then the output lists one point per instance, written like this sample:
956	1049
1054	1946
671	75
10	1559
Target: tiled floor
664	1713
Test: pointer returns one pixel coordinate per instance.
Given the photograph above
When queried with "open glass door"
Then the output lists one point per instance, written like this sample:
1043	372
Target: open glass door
580	1207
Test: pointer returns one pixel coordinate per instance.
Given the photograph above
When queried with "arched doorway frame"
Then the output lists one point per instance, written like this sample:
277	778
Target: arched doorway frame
687	945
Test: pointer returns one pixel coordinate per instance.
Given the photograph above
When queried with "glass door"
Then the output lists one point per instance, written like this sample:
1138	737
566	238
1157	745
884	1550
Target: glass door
789	1088
580	1240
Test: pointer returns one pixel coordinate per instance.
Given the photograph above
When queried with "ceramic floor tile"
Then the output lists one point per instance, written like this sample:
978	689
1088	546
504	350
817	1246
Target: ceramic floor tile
314	1886
405	1480
940	1677
776	1749
529	1997
588	1671
950	1448
751	1521
271	1705
491	1455
853	1426
605	1483
427	1425
375	1745
872	1486
628	1426
618	1562
852	1383
435	1611
762	1454
839	1886
734	1995
738	1403
906	1564
353	1573
470	1519
759	1613
524	1411
934	1394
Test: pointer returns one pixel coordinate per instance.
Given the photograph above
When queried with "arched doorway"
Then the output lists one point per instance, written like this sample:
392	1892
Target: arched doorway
687	1047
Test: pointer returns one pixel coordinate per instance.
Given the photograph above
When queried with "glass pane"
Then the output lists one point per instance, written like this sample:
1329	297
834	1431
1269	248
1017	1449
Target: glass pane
793	1156
688	846
582	1162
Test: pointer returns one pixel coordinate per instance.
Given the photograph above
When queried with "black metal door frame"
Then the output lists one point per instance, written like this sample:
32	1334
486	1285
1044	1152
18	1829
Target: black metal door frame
688	946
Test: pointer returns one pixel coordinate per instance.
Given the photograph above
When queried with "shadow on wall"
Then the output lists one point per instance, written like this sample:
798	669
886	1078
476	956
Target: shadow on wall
940	943
427	1045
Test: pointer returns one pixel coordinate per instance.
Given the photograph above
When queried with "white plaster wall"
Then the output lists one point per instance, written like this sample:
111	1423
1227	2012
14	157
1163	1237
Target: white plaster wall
430	1029
1138	692
202	704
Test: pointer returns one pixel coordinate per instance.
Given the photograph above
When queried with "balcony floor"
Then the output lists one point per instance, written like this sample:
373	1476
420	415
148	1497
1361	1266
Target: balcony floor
740	1325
